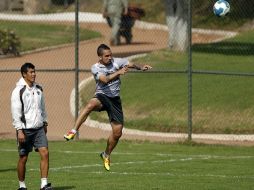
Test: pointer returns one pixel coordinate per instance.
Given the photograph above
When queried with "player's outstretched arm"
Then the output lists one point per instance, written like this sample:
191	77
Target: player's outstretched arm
137	67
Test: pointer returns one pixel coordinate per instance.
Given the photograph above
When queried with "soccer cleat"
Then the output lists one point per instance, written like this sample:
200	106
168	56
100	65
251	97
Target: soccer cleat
70	135
22	188
106	161
47	187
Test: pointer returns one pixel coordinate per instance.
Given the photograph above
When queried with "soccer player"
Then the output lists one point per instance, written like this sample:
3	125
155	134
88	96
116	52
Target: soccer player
107	72
30	121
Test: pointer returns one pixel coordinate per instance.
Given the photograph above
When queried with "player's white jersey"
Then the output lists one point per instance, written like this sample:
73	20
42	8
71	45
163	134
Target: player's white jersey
111	89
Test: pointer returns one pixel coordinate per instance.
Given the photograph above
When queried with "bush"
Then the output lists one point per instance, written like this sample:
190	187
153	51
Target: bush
9	42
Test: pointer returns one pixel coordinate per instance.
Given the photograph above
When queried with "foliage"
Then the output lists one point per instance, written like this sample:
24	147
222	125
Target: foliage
9	42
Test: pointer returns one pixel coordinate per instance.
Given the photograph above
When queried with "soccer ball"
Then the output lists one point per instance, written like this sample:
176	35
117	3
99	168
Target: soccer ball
221	8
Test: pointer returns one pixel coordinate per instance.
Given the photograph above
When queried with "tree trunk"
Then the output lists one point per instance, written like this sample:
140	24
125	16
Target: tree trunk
177	21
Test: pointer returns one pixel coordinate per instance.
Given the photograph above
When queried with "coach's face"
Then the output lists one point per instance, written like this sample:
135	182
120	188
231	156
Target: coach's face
30	76
106	57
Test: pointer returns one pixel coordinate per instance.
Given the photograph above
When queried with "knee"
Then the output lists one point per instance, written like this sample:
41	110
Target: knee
23	159
90	106
117	134
44	154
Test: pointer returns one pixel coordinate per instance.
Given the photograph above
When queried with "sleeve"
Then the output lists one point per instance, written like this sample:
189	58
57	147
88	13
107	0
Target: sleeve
120	62
43	109
16	110
96	72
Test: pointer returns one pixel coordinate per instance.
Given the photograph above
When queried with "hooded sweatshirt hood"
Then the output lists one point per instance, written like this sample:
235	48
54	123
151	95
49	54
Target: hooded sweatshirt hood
22	83
27	106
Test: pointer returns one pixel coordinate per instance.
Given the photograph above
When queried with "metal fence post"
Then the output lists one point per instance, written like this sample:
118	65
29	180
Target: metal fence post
77	62
190	70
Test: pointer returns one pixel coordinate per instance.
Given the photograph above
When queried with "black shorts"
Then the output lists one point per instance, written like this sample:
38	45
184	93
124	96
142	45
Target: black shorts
113	106
34	138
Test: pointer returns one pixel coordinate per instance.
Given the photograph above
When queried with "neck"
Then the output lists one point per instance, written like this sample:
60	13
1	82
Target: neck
29	83
102	63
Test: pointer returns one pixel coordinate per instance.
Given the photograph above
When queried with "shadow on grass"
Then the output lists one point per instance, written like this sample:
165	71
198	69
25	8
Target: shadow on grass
226	48
8	170
64	187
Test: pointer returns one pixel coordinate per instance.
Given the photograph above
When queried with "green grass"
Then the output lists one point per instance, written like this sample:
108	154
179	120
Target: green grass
221	104
40	35
135	165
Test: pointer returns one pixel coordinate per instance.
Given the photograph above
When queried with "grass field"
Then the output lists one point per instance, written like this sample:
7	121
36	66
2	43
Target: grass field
135	165
40	35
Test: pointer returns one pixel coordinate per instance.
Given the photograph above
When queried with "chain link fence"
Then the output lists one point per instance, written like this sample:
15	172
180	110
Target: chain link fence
201	92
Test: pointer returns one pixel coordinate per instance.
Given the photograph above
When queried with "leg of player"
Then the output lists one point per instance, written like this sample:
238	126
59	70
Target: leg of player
111	143
114	136
44	167
21	169
93	104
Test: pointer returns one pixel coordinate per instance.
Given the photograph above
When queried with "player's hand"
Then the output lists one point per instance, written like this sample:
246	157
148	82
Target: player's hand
146	67
45	125
123	70
21	136
45	129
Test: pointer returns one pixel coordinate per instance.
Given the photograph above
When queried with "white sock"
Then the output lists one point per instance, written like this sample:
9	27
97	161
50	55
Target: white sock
74	131
22	184
44	181
106	155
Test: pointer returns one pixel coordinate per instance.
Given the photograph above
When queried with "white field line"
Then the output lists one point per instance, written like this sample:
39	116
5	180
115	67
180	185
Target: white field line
186	159
97	18
154	161
70	168
118	163
189	156
107	127
196	156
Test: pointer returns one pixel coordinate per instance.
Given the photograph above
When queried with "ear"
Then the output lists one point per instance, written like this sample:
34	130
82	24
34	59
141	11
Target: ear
100	58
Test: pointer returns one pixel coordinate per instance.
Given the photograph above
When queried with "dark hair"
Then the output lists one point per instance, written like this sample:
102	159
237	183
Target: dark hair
24	68
101	48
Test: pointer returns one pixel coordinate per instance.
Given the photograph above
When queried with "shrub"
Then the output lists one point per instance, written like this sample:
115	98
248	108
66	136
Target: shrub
9	42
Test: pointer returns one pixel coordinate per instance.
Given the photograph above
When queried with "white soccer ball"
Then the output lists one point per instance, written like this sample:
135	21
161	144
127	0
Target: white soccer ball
221	8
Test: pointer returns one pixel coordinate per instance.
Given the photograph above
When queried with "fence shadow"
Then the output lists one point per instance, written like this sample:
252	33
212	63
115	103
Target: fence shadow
226	48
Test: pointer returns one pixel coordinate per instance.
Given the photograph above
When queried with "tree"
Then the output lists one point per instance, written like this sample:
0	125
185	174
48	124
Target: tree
177	21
